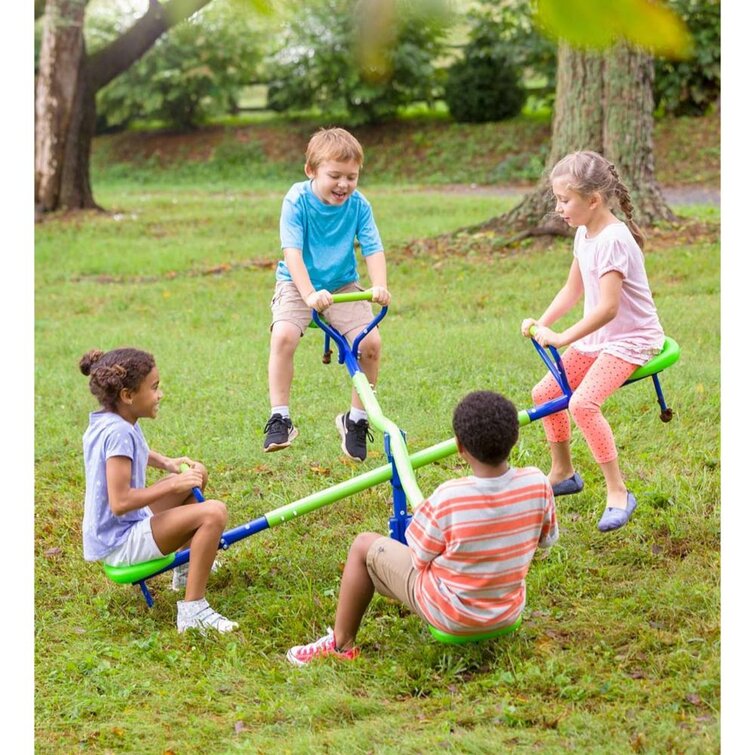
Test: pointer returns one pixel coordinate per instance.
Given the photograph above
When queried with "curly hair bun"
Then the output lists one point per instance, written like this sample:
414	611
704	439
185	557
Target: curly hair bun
89	360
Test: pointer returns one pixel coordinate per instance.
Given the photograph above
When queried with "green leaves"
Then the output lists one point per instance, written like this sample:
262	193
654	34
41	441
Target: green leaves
366	59
194	71
597	24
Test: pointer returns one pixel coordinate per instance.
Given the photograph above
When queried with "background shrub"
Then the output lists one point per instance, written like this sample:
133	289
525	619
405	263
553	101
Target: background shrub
194	71
484	85
319	62
693	86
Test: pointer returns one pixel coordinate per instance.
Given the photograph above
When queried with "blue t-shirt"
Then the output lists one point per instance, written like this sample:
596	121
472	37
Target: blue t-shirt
325	234
109	435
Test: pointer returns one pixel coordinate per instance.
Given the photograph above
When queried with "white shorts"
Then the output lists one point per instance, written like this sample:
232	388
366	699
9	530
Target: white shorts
139	546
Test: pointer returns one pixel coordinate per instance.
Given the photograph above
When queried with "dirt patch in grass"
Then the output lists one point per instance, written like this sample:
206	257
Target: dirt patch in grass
489	244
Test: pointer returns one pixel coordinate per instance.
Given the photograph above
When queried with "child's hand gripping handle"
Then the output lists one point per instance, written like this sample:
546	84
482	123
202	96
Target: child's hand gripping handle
196	491
554	364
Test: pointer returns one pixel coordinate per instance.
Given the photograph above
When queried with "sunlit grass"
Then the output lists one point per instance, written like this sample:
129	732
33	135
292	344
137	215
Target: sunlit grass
619	650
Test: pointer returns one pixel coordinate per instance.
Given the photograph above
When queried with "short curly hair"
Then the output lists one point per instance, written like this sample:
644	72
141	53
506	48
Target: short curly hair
487	425
109	373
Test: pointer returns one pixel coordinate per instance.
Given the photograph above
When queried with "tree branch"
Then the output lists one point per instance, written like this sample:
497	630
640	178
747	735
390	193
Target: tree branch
123	52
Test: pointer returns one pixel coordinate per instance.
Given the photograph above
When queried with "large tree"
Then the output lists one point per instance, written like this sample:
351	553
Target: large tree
67	82
604	102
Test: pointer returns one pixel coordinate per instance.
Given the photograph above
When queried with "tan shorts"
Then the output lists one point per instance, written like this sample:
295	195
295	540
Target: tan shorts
389	564
287	305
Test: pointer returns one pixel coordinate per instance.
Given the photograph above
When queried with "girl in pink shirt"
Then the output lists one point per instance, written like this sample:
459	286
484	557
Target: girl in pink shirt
619	329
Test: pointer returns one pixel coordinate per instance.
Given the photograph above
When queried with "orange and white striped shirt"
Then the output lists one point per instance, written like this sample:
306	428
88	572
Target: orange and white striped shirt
472	542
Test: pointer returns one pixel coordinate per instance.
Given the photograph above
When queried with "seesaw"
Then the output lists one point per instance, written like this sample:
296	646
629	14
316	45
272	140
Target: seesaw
401	464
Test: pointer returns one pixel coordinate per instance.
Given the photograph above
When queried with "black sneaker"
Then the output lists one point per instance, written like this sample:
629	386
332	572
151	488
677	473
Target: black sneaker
353	436
280	431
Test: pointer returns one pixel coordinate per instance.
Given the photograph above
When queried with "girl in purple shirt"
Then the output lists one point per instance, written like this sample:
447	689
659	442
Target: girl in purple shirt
127	521
619	329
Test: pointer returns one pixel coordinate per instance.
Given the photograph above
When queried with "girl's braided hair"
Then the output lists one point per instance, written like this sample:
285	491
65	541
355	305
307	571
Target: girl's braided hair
109	373
589	173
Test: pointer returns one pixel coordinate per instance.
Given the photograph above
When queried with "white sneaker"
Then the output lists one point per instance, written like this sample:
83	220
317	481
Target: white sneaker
181	574
198	614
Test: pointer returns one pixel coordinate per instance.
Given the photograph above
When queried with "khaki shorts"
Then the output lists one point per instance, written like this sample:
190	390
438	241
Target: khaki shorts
390	567
287	305
138	546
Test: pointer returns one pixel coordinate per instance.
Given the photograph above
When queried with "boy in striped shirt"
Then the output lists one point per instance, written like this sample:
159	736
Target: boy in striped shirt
469	545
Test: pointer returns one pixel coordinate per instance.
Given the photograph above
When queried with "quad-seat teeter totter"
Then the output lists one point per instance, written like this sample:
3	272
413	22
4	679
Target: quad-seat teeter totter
401	464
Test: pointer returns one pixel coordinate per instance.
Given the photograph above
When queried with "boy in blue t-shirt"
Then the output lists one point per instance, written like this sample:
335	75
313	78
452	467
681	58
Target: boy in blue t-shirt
320	220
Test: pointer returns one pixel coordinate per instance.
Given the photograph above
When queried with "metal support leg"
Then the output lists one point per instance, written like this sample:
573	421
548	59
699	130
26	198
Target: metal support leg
666	412
398	523
146	593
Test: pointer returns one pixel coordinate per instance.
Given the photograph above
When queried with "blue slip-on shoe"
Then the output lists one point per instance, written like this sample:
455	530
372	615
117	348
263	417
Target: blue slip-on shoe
569	486
612	519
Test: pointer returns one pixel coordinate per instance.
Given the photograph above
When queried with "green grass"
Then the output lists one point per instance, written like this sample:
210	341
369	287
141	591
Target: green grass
619	650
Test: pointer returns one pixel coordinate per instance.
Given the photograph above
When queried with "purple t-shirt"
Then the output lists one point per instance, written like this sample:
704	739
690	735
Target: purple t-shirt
109	435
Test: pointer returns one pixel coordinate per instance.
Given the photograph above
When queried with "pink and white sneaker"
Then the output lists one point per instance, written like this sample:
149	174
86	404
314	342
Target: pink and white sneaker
301	655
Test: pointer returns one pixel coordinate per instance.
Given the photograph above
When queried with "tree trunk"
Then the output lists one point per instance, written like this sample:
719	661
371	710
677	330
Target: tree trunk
67	85
628	130
604	103
58	99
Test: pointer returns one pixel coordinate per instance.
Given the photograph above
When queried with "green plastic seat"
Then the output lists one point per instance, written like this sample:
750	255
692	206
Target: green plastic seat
129	575
668	356
463	639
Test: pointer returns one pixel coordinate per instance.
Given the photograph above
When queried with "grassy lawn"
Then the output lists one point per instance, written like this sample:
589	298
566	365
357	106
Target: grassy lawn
619	649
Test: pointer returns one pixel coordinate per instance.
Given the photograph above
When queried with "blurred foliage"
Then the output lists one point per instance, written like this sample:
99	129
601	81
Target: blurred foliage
593	24
692	86
339	56
194	71
364	60
505	51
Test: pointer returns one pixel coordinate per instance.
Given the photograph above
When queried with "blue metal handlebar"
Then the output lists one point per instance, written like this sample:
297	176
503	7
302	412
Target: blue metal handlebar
346	353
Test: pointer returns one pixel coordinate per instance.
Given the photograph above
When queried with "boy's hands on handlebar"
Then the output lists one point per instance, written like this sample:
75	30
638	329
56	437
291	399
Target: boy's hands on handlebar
381	295
319	300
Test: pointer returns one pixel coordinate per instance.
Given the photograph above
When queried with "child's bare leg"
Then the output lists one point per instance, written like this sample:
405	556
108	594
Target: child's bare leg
356	591
616	490
284	339
561	462
369	361
202	525
172	500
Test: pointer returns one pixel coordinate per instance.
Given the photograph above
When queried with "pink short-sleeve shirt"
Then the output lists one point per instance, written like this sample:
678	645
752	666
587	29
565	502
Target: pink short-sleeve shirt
635	334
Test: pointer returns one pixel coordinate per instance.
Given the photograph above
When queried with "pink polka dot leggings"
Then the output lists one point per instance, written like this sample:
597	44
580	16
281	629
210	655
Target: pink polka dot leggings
593	379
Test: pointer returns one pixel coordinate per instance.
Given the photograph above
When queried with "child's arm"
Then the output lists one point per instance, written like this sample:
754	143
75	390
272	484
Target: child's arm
123	498
604	312
169	464
424	537
378	274
319	300
549	530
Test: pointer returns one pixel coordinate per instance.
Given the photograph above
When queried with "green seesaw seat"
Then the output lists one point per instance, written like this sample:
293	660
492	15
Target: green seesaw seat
668	356
129	575
463	639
